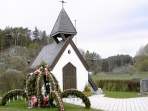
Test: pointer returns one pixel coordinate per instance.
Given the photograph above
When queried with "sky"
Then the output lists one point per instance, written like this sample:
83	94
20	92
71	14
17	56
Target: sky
108	27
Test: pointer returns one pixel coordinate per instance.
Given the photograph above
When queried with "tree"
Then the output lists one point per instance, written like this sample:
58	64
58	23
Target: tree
36	34
141	59
112	62
144	65
2	40
94	61
44	38
141	63
143	51
105	66
18	36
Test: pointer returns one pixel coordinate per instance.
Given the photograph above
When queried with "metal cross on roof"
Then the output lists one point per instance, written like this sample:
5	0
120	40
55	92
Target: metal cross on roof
62	1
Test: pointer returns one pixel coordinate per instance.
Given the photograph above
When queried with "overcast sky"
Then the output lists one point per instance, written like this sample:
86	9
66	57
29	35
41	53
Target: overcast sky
108	27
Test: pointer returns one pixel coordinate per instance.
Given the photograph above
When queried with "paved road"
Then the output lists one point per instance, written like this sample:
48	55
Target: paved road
112	104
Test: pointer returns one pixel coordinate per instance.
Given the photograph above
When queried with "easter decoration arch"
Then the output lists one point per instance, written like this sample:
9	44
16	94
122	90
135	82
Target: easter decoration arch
42	90
78	94
13	95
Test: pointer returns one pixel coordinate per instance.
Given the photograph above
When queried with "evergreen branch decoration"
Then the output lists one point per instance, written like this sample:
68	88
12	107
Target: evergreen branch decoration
13	94
76	93
39	93
58	100
31	85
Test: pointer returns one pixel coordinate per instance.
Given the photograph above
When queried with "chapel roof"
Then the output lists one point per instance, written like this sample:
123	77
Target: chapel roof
63	25
51	53
47	54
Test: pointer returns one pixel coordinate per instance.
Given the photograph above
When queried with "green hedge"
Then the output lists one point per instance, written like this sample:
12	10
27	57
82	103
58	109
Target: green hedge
119	85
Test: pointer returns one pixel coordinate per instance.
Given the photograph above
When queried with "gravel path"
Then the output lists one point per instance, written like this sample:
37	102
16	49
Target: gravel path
112	104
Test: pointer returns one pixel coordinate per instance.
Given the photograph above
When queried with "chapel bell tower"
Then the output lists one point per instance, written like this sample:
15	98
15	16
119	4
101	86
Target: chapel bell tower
63	28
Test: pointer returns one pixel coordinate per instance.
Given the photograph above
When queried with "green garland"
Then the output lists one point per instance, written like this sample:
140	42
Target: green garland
39	87
79	94
13	94
58	100
31	85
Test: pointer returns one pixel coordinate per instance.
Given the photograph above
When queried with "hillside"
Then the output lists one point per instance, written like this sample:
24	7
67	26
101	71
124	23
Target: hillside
14	66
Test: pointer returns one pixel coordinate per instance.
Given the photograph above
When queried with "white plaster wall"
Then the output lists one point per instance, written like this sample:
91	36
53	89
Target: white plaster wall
81	72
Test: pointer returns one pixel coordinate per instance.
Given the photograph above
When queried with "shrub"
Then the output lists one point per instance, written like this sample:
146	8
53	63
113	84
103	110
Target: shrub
17	62
3	67
87	91
33	46
119	85
11	79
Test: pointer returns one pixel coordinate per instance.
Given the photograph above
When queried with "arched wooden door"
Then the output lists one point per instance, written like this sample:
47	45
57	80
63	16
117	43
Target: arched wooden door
69	76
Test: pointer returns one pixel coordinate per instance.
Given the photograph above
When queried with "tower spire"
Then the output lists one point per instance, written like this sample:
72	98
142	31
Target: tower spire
63	27
62	1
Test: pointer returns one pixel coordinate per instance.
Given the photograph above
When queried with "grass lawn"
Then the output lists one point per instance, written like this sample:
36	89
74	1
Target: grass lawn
112	76
21	106
117	94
